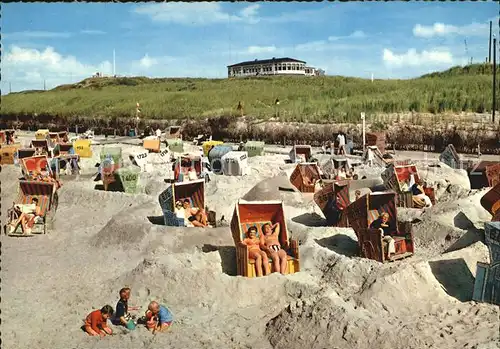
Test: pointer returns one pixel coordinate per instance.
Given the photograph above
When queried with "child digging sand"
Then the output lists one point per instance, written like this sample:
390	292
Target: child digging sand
122	315
96	322
158	317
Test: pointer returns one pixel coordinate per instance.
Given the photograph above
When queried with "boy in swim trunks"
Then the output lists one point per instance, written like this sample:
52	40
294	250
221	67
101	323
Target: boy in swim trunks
254	251
269	242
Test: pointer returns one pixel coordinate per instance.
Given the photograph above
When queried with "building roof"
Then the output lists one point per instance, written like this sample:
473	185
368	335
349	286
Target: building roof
266	61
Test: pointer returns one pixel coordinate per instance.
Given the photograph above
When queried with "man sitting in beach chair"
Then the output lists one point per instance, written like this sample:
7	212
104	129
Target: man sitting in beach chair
25	215
195	216
385	227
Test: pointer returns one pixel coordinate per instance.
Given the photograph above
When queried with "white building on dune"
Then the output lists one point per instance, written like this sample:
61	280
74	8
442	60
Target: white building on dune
273	66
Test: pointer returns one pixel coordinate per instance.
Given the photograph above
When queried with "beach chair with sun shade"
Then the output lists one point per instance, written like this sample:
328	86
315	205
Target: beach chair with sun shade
491	202
111	160
362	212
42	134
450	157
184	164
333	199
47	196
175	145
257	213
398	177
483	174
174	132
254	148
193	191
42	147
63	136
487	280
34	165
8	153
7	136
208	145
300	153
305	176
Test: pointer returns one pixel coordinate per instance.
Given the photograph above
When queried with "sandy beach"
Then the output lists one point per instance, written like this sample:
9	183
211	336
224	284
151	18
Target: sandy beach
103	241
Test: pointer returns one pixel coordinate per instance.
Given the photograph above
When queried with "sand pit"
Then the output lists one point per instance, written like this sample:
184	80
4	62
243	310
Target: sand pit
103	241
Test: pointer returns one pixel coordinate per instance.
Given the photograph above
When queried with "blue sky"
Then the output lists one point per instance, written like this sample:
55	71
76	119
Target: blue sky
66	42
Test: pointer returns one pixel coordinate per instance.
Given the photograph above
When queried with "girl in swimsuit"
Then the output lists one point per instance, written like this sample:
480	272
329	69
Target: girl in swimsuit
270	243
254	251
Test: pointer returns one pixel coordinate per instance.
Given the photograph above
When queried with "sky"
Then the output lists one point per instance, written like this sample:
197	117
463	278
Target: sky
63	43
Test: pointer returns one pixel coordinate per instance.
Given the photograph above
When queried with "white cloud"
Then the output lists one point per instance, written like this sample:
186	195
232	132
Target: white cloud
92	32
27	68
36	35
250	11
414	59
358	34
200	13
441	29
260	49
147	62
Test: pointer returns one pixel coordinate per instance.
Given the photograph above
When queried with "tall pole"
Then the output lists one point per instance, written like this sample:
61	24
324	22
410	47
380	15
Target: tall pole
364	138
10	87
489	42
114	63
44	86
494	79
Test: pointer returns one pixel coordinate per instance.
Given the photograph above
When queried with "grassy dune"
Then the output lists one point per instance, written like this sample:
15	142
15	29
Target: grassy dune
312	99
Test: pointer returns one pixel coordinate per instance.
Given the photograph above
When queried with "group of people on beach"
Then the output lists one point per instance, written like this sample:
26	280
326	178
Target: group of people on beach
266	245
157	318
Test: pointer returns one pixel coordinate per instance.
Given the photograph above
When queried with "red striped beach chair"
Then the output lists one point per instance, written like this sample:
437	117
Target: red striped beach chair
47	201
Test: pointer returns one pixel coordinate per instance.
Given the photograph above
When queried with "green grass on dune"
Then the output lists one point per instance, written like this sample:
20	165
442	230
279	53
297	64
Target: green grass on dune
315	99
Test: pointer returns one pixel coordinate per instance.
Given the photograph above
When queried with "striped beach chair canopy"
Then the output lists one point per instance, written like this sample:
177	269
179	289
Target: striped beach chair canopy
43	191
257	213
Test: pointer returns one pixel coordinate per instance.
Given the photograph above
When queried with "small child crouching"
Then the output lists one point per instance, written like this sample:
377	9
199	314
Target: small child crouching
96	322
158	317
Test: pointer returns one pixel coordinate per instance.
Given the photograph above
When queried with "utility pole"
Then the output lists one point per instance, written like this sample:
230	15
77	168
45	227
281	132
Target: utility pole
44	86
489	43
494	79
114	63
10	87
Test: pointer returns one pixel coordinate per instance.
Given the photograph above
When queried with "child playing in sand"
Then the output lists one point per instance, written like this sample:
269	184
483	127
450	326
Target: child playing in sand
269	242
96	321
122	315
254	251
158	317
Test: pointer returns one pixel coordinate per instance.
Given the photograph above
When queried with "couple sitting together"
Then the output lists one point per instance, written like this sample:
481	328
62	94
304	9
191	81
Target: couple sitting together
264	247
192	216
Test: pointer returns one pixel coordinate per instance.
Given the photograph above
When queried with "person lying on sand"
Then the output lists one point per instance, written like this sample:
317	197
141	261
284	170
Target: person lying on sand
269	242
27	216
96	321
384	225
254	251
196	216
420	200
122	315
158	317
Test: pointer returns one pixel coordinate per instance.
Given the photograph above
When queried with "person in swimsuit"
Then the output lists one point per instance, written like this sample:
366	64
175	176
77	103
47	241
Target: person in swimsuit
254	251
27	215
196	216
269	242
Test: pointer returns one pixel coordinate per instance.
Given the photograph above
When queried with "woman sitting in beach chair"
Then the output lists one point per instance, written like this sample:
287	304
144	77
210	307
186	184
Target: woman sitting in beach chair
269	242
24	215
255	252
